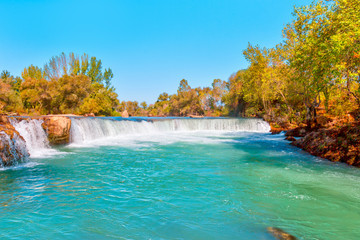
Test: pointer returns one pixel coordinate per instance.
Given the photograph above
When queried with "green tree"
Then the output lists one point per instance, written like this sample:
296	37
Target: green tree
186	101
68	93
34	90
101	101
308	54
345	44
235	104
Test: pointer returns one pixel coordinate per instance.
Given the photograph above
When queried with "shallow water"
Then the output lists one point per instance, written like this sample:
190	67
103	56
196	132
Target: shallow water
184	185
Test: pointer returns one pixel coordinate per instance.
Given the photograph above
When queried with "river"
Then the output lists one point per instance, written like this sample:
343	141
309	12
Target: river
174	179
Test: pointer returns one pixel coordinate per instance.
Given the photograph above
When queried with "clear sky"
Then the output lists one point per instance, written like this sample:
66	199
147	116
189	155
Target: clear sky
149	44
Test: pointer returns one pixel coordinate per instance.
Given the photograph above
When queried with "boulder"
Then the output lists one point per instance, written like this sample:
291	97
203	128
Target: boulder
280	234
89	115
195	116
338	144
57	129
4	119
290	138
296	132
12	146
125	114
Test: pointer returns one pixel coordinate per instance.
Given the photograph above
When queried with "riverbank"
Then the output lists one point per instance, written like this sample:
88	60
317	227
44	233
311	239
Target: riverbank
335	143
335	140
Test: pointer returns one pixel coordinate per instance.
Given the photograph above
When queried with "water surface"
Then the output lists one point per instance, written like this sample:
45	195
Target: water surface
179	185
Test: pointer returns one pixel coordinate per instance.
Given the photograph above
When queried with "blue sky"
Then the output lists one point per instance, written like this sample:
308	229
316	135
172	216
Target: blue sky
150	45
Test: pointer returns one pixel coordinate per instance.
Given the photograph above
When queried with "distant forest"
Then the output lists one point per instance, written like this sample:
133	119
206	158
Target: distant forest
315	68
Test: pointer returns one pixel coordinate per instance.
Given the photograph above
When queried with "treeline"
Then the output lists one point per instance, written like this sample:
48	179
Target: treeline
187	101
316	67
67	84
72	84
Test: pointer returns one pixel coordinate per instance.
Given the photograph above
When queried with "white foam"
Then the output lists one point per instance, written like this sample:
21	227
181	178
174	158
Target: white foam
21	166
17	150
35	137
98	131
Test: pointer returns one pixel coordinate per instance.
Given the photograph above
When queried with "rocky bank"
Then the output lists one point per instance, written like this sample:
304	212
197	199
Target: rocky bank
335	142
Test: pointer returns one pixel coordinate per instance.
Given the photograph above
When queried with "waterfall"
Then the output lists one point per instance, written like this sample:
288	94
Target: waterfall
35	137
87	129
90	129
12	150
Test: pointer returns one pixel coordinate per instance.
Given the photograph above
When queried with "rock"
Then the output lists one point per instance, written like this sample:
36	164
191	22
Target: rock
195	116
276	129
296	132
125	114
280	234
337	144
89	115
58	129
12	146
290	138
2	146
4	119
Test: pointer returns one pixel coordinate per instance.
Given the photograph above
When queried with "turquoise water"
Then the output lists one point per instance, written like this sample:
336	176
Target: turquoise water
197	185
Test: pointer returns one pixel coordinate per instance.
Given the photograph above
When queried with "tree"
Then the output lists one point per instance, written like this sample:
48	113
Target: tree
186	101
144	105
34	90
9	97
95	72
345	44
68	93
101	101
217	93
72	64
235	104
5	75
308	54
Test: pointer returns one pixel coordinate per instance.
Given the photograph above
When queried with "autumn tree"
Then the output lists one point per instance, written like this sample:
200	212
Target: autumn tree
9	95
235	104
345	44
308	54
34	90
68	93
186	101
72	64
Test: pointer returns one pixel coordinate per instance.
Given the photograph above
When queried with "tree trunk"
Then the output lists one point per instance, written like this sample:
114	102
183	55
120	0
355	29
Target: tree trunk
311	116
327	97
